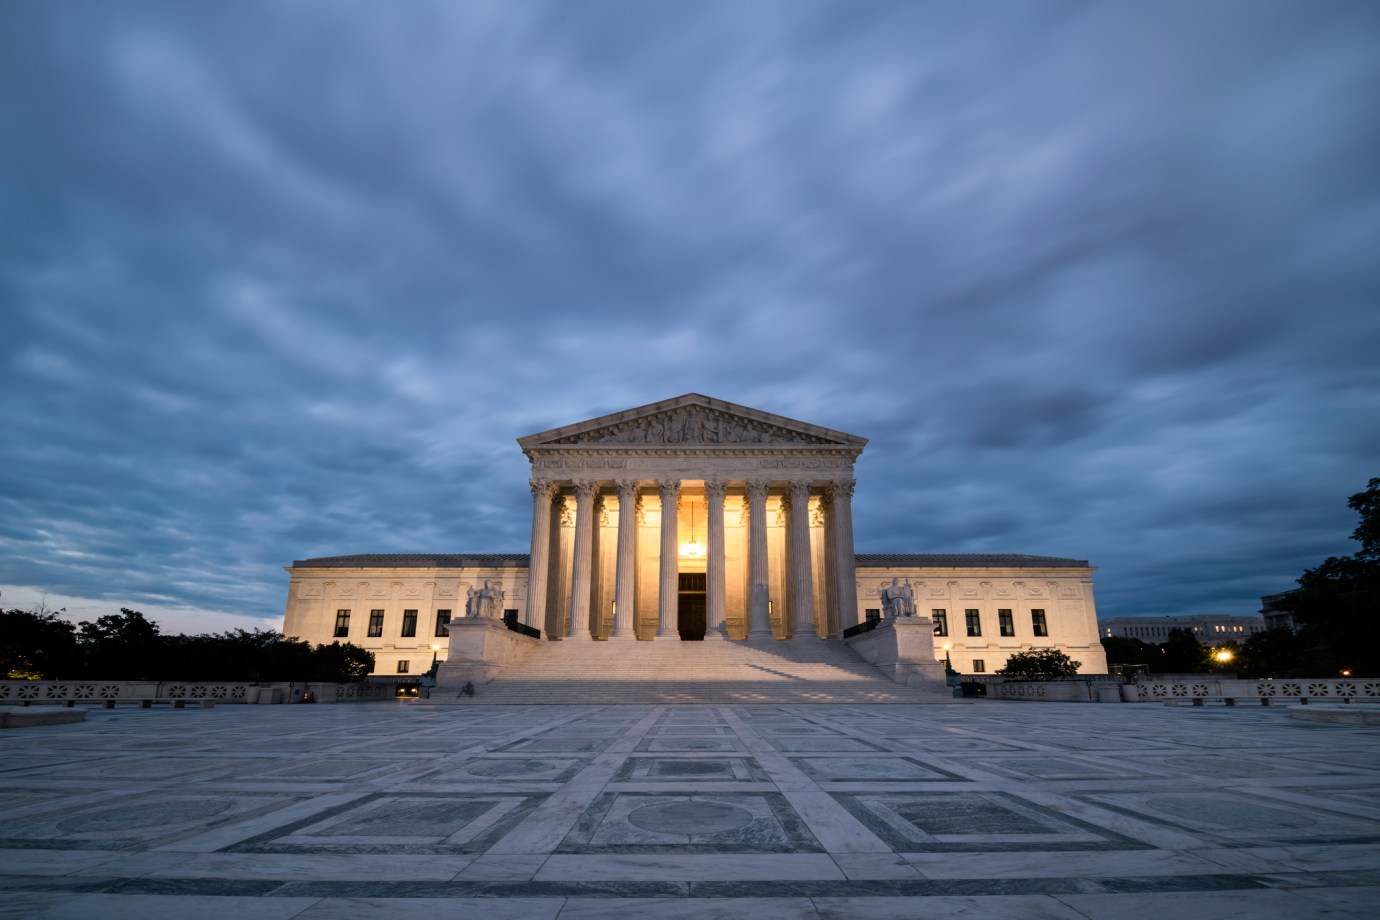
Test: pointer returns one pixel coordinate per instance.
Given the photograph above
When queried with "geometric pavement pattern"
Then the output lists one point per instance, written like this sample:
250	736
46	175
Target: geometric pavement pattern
975	809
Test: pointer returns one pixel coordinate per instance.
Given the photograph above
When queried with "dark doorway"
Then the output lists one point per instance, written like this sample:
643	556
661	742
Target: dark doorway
690	618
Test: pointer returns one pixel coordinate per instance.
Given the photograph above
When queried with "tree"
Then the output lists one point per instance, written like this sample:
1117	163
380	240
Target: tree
1269	653
123	646
1123	650
1040	664
1337	606
36	645
1181	653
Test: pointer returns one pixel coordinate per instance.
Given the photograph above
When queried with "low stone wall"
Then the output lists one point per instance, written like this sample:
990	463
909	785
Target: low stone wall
1265	692
70	692
1073	690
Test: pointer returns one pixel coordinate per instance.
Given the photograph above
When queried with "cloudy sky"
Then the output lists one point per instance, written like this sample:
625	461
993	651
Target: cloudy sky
287	280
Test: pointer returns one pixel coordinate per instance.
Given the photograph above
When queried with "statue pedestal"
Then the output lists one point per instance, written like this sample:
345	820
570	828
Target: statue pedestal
480	650
902	649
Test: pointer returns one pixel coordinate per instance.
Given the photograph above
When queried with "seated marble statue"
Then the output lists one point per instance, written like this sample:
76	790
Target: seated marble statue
898	600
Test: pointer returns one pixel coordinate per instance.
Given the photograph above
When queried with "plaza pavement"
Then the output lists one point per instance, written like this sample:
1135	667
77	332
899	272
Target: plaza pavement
983	809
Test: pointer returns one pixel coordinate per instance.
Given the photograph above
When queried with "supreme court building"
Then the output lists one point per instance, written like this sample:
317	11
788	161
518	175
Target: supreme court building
695	519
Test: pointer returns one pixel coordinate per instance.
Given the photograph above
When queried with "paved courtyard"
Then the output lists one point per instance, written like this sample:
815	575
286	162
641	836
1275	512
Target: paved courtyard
985	810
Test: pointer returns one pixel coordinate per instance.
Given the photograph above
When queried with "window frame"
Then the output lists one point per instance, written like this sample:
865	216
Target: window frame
1039	622
1006	622
342	625
409	625
972	620
442	624
375	630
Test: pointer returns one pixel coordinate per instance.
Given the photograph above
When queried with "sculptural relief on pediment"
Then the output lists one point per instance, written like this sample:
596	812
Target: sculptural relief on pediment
692	425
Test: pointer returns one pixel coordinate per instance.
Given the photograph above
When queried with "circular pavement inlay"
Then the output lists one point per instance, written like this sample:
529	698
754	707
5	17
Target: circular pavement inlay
690	817
510	767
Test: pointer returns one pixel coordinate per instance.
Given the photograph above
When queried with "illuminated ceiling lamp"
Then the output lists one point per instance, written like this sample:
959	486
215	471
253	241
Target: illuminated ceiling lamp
693	549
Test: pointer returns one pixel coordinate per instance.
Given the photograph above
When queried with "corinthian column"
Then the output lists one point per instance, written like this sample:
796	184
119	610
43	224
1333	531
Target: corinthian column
625	574
802	572
845	563
759	595
584	560
668	598
543	491
716	584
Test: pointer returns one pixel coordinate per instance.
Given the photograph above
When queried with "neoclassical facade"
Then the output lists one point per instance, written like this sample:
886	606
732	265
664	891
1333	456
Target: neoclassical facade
695	519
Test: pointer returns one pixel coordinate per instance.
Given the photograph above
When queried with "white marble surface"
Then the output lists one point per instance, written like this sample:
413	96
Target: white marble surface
991	810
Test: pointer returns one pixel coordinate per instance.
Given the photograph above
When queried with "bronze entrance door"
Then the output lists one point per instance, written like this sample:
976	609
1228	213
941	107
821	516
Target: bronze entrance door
691	609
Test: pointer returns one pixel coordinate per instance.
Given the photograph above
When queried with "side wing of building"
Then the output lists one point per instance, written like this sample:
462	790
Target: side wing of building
396	606
986	607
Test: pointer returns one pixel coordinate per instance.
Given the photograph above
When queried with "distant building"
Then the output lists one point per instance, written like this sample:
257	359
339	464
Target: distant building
1207	627
1278	610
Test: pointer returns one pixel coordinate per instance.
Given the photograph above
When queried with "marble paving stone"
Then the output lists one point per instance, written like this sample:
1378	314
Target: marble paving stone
1005	907
692	909
726	822
508	769
870	770
669	769
1268	904
433	908
679	867
926	821
803	743
984	809
667	744
1235	818
169	907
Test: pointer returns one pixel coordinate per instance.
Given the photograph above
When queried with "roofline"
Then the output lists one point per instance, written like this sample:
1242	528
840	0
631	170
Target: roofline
542	438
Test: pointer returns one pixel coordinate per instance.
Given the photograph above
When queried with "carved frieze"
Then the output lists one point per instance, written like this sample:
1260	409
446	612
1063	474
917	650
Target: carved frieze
692	425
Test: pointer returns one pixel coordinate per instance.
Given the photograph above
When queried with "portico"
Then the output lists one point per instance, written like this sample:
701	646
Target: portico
626	504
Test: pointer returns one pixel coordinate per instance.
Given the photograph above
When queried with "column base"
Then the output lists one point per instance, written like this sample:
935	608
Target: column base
713	635
622	637
585	638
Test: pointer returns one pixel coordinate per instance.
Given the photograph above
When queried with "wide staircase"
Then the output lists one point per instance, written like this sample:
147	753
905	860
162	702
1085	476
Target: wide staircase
609	673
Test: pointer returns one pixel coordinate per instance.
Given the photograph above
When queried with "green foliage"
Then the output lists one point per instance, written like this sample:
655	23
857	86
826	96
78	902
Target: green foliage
1337	605
1181	653
123	646
127	646
1121	651
1270	653
1040	664
36	645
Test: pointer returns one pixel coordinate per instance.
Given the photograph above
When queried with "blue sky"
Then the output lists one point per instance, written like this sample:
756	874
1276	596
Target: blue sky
285	280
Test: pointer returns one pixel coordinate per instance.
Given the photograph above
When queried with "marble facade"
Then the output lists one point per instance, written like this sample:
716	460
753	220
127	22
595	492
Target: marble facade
690	518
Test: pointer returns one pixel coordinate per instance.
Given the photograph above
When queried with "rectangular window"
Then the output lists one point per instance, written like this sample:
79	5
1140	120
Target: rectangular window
941	621
1006	624
873	613
443	622
974	624
1037	620
342	624
979	666
375	624
403	666
409	624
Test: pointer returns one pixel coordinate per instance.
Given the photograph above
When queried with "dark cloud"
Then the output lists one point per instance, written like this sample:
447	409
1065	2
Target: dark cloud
287	280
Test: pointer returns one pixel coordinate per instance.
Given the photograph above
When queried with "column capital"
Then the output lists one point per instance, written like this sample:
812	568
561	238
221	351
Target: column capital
799	493
842	489
584	488
715	489
757	489
542	488
669	489
627	490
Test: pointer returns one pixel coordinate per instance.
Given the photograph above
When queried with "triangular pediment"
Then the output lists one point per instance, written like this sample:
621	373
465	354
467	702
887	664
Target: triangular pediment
691	420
